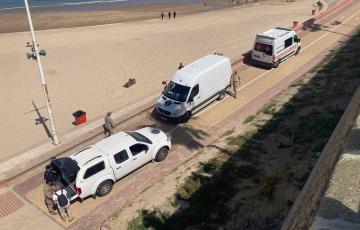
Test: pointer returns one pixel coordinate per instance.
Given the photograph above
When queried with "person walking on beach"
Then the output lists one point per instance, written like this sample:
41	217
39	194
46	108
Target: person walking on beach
235	82
174	14
62	203
109	125
162	15
169	14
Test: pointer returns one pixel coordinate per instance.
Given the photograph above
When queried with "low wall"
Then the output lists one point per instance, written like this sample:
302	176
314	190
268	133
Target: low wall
306	204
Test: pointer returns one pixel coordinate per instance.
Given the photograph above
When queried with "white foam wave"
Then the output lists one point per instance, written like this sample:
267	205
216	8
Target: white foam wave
65	4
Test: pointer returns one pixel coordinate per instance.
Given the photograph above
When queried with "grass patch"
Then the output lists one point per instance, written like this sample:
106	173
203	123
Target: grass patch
269	109
249	119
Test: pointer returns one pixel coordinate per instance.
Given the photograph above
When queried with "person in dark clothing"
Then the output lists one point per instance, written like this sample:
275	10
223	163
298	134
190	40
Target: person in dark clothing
169	14
50	175
174	14
162	15
180	66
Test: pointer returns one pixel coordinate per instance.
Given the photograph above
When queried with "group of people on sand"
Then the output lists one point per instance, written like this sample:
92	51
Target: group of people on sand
55	194
169	14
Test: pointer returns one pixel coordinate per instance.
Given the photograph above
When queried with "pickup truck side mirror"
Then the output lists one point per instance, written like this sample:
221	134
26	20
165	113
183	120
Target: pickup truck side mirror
191	99
146	148
297	40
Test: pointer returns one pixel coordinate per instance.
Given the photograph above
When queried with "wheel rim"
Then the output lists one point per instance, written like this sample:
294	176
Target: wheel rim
105	189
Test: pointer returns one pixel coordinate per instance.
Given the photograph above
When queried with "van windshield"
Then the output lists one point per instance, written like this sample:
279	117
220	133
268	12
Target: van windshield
267	49
176	92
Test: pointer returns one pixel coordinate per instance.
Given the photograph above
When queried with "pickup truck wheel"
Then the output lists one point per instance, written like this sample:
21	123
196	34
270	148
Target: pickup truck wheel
161	154
221	95
186	117
104	188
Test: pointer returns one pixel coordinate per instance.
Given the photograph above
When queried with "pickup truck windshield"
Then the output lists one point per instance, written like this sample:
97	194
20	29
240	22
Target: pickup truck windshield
267	49
139	137
176	92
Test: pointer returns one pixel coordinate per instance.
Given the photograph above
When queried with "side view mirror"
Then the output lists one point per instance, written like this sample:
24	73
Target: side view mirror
191	99
146	148
297	40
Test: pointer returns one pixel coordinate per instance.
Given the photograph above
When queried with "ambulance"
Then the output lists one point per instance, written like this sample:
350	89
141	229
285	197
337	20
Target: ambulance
274	46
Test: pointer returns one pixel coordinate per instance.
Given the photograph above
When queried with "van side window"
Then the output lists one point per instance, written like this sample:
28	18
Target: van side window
137	148
94	169
194	91
121	157
288	42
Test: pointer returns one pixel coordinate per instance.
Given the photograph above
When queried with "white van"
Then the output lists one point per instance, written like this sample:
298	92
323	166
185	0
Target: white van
195	86
274	46
93	170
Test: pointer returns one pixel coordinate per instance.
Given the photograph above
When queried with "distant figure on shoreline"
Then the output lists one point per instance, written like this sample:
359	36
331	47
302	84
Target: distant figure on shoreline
174	14
180	66
162	15
169	14
205	3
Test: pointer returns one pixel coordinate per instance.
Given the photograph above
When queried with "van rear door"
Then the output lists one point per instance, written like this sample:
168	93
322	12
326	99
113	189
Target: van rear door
263	50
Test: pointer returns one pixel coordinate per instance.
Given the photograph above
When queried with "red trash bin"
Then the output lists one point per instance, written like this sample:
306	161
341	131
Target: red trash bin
80	117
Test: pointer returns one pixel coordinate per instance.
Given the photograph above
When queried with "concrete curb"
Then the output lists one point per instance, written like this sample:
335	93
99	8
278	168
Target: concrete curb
40	154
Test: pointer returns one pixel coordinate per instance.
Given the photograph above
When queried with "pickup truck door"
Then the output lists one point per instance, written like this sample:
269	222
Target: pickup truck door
121	163
140	155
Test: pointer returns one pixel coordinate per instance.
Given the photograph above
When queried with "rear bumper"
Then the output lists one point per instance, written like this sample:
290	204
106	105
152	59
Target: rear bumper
266	64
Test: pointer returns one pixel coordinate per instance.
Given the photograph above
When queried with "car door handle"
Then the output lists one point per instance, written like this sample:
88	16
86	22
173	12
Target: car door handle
118	167
134	158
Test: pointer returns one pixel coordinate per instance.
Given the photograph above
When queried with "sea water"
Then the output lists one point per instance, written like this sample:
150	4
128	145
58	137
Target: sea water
12	5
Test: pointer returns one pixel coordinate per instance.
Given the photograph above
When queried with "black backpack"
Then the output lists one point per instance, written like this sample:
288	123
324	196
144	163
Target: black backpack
62	200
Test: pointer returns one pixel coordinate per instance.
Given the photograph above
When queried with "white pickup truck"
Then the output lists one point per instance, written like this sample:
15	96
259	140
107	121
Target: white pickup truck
93	170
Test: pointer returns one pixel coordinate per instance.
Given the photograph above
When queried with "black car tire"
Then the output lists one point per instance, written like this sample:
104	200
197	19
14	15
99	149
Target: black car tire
276	64
186	117
221	95
161	154
104	188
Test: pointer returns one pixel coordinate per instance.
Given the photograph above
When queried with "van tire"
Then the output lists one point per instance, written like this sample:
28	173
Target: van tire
221	95
161	154
297	50
186	117
104	188
276	64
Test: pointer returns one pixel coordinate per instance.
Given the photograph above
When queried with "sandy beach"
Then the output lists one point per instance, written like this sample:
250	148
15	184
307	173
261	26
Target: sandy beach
86	67
16	20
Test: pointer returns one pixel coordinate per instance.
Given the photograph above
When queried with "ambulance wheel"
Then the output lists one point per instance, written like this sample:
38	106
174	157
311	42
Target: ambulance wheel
221	95
186	117
297	51
161	154
276	64
104	188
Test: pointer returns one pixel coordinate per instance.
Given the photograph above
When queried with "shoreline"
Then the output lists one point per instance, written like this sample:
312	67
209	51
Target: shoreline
45	20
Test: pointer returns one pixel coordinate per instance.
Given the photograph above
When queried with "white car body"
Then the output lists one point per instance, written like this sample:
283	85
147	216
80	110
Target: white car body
274	46
195	86
114	157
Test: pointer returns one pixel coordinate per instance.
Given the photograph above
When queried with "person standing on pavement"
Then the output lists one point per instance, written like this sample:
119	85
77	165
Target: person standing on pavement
162	15
180	66
169	14
62	203
109	125
174	14
49	190
235	82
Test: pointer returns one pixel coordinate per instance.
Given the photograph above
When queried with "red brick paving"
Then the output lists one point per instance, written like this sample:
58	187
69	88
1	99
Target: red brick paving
9	203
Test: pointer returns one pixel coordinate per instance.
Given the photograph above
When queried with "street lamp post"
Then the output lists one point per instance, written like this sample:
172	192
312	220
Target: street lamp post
36	53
